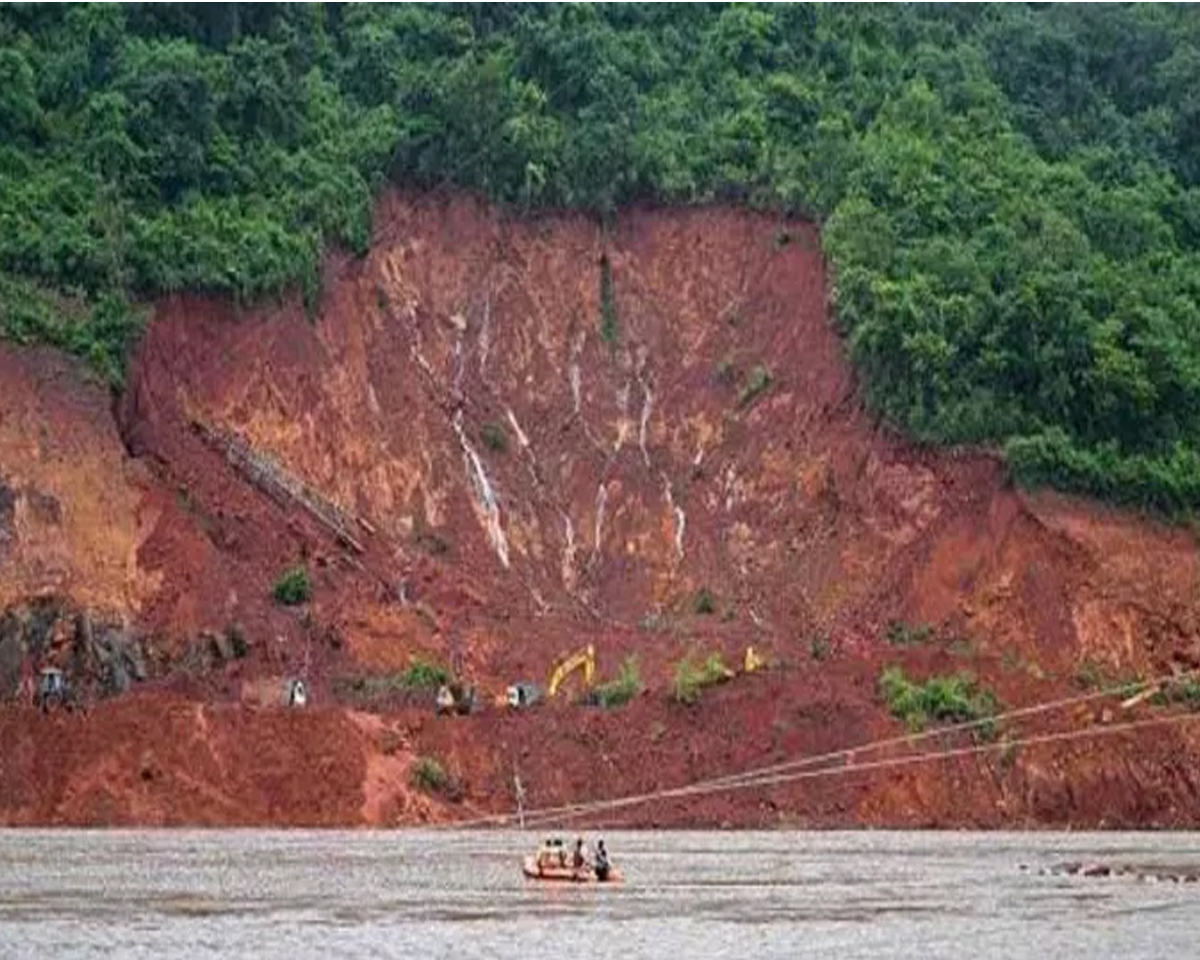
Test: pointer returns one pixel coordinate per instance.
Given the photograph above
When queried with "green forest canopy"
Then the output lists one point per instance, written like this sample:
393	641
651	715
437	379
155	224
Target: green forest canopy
1011	194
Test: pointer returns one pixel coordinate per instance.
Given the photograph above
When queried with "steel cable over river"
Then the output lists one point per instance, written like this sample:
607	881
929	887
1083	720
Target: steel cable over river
798	770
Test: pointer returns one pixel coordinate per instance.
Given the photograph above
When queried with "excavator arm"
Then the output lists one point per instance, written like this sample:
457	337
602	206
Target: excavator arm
584	659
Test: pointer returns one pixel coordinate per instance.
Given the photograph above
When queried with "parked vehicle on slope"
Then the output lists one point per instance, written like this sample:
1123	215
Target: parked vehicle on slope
54	690
525	694
456	698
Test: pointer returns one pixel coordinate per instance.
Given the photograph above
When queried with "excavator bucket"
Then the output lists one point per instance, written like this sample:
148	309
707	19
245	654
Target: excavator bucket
753	661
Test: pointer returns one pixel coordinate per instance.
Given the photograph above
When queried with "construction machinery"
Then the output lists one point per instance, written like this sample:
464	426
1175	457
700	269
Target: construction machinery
455	697
584	660
53	689
296	693
525	694
752	661
522	695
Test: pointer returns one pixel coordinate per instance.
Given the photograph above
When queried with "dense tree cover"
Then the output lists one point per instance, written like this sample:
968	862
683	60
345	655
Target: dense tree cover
1011	193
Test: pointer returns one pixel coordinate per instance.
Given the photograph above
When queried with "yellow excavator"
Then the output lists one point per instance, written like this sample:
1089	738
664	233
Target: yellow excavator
527	694
584	660
521	695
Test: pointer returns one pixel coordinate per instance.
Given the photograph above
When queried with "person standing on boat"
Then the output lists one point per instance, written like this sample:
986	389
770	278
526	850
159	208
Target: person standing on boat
579	861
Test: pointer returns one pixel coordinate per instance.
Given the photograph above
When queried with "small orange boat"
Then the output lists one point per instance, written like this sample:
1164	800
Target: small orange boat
552	864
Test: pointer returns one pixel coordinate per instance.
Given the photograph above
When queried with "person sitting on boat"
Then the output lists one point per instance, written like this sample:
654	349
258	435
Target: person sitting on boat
553	853
601	866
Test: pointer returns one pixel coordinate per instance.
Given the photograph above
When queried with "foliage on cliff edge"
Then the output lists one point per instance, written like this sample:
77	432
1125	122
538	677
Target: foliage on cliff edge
1011	194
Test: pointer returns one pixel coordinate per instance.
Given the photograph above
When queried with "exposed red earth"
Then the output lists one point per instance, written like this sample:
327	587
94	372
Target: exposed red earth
496	456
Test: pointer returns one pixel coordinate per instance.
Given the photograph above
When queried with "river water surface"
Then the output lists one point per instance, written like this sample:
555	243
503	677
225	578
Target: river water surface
300	894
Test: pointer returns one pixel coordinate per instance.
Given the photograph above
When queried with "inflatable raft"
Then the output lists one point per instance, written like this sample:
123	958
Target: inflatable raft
557	874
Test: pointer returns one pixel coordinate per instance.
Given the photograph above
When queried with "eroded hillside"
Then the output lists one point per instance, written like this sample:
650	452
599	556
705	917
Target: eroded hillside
501	439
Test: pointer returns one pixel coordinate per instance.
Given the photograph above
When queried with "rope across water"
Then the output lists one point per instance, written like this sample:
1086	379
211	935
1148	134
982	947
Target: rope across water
799	769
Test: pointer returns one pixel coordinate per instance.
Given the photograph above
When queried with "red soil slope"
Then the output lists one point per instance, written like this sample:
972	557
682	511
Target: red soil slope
529	458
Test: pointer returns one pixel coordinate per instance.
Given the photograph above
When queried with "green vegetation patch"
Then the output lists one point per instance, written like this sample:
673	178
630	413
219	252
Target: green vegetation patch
494	436
704	603
624	688
693	675
293	587
940	699
100	331
609	331
422	675
429	775
758	382
1184	692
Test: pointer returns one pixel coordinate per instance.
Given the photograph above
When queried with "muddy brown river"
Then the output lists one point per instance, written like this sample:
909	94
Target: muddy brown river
299	894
